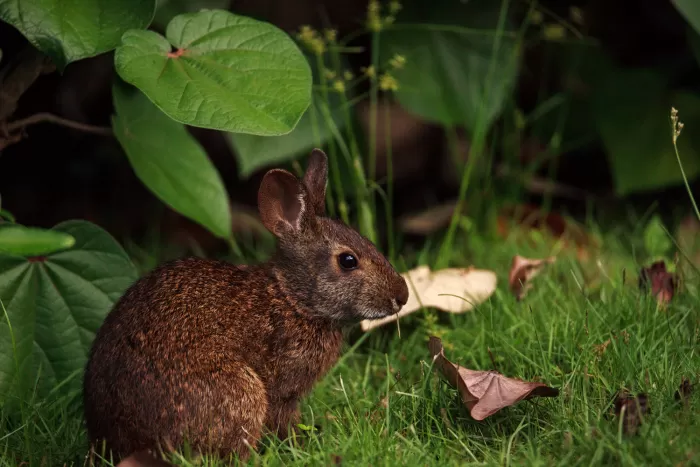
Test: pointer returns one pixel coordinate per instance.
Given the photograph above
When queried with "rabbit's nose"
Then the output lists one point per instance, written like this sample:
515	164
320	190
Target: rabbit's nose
402	293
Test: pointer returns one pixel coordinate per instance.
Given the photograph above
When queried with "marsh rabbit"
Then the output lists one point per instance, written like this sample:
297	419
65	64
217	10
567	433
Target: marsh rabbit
216	355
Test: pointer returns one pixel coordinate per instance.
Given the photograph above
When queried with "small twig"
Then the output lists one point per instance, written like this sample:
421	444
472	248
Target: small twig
51	118
493	360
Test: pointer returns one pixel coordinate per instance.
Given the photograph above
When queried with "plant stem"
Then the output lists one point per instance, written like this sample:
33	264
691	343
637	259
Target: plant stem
332	155
372	153
316	129
477	142
685	180
359	179
389	181
233	245
51	118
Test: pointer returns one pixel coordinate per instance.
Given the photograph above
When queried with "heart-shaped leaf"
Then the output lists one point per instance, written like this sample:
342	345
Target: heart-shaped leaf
69	30
449	76
169	161
166	10
30	241
226	72
54	306
254	152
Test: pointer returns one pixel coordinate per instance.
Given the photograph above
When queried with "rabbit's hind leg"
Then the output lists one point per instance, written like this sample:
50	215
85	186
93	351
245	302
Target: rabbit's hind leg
226	410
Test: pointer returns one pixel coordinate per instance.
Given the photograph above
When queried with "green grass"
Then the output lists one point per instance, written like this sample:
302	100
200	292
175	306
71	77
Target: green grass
384	405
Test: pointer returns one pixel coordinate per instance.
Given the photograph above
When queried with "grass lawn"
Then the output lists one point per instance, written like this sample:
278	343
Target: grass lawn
383	404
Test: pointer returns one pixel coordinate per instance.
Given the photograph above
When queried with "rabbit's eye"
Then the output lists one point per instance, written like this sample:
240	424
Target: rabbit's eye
347	261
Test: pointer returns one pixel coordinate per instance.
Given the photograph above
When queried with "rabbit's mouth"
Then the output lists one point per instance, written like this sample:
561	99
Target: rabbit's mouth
378	313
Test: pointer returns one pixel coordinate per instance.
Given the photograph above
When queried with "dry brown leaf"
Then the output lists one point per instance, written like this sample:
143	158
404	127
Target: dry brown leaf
661	282
600	349
453	290
485	392
684	391
632	410
522	271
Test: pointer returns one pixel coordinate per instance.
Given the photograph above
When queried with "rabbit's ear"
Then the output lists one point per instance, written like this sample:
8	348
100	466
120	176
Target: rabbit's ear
315	180
282	201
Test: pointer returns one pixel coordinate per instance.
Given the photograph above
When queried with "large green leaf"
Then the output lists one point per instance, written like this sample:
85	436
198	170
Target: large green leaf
227	72
169	161
449	77
19	240
253	151
55	305
690	9
69	30
631	109
166	10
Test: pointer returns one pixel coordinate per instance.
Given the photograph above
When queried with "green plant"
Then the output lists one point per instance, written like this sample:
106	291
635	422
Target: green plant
215	70
453	64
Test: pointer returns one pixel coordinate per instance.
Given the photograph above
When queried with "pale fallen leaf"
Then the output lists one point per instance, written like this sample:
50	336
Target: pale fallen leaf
522	271
485	392
453	290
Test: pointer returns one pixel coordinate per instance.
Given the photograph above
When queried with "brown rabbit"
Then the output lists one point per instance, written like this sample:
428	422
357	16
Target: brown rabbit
212	354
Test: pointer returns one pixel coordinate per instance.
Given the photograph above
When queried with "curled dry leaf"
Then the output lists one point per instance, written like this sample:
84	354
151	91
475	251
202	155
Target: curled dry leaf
522	271
485	392
661	282
453	290
632	410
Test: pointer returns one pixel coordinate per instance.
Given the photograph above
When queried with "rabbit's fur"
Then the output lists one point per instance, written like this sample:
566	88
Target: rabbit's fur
212	354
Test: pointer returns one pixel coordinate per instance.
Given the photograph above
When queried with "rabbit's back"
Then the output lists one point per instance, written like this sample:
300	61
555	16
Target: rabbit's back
182	350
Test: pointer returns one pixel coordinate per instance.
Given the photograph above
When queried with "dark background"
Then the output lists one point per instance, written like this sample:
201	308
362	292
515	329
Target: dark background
57	173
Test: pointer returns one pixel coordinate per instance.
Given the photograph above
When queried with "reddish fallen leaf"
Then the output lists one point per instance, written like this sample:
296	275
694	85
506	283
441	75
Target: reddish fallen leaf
661	282
684	391
522	271
632	410
485	392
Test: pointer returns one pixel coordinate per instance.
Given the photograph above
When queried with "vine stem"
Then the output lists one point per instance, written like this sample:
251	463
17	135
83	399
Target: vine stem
51	118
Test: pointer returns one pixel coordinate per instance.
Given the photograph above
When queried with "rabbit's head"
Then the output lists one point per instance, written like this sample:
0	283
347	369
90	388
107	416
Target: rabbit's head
324	264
